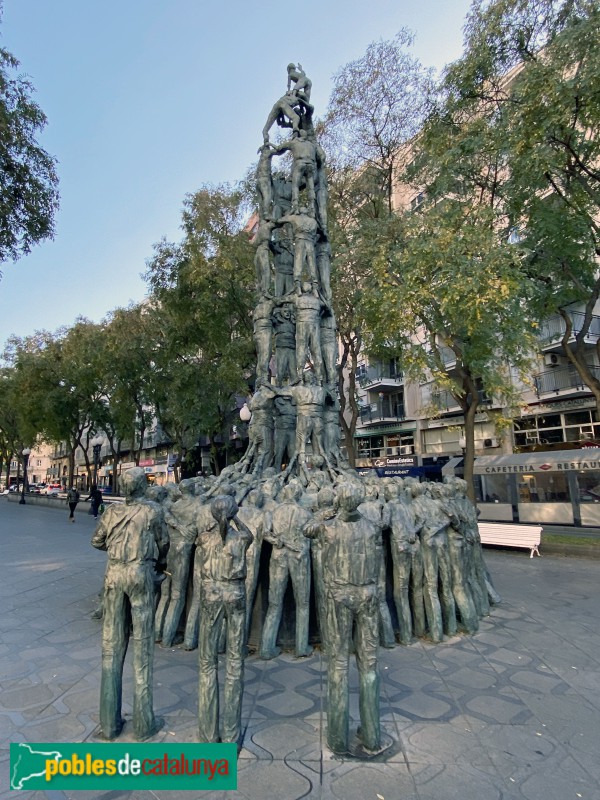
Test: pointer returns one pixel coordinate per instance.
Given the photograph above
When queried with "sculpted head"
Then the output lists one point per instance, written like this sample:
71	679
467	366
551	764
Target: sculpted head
134	482
292	492
326	497
255	498
390	492
156	493
187	486
350	495
308	376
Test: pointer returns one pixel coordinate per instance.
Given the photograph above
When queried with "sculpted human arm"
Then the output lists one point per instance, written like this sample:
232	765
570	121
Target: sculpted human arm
243	530
101	532
161	537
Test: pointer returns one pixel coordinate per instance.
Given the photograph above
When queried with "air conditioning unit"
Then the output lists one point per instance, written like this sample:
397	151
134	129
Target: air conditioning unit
493	442
554	360
407	450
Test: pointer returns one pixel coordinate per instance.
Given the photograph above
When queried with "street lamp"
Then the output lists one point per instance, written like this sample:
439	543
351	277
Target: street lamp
25	452
245	413
96	447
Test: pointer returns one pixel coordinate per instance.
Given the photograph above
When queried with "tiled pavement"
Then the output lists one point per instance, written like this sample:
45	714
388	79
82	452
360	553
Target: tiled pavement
513	712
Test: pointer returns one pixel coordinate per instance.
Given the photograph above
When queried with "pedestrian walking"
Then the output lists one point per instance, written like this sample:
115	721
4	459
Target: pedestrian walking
95	496
72	500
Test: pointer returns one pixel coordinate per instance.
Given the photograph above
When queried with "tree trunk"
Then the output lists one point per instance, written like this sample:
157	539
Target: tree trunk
469	459
351	344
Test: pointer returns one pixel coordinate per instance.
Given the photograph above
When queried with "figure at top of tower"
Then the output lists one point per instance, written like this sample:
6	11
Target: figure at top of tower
303	84
293	110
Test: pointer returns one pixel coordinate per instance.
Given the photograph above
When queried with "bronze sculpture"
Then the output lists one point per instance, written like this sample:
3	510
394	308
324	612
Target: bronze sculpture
135	538
222	598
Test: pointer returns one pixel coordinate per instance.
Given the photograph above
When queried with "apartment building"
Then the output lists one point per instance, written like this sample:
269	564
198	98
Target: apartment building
544	468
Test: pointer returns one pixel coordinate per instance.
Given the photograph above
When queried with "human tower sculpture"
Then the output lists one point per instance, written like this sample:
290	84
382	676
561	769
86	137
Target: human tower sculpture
294	490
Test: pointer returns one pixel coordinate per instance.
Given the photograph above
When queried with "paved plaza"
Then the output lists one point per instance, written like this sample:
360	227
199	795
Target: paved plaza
513	712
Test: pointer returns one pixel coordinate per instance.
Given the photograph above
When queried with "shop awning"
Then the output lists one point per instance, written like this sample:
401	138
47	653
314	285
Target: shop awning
451	466
584	460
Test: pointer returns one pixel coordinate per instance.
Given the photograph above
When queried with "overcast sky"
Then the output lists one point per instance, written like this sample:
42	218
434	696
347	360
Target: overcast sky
149	99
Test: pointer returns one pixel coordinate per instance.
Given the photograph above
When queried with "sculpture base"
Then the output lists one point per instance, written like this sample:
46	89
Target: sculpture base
357	750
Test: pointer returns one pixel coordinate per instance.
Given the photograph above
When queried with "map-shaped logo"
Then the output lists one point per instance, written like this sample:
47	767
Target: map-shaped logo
29	763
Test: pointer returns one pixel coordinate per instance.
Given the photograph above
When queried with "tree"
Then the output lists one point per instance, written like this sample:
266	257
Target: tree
60	394
551	121
452	300
451	303
513	141
202	293
28	179
11	433
377	104
130	342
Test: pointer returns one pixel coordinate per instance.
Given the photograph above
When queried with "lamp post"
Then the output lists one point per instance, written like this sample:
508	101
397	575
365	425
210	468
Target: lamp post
96	447
245	413
25	452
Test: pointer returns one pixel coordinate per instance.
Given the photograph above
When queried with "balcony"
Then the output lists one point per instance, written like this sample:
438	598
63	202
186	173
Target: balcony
378	378
562	381
382	411
446	401
448	357
552	330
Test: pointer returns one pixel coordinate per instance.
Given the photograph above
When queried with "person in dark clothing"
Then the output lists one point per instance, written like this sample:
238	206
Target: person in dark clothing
72	500
95	496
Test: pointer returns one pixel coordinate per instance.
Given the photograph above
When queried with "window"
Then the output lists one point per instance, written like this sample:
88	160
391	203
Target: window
543	488
417	201
548	429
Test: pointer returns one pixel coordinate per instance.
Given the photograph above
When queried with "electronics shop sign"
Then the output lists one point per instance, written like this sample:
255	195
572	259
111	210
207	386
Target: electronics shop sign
557	466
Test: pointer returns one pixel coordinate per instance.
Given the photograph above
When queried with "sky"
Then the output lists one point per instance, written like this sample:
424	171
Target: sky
148	100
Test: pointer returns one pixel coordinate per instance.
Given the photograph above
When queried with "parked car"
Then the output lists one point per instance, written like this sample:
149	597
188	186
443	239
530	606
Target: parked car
52	489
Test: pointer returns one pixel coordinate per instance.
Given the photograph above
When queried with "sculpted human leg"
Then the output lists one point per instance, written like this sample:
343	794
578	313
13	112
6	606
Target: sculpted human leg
190	637
141	597
208	682
433	608
366	642
278	577
234	668
416	590
300	575
401	558
115	637
339	628
180	554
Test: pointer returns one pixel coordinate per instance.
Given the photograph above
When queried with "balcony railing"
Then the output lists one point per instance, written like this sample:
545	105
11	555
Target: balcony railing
379	375
383	410
561	379
448	357
553	329
446	401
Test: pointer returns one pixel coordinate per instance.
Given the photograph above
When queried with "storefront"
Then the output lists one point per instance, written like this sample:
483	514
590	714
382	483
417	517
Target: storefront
560	487
393	467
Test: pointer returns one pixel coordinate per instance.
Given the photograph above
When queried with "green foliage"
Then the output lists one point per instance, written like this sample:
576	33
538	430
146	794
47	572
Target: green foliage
202	299
377	104
529	80
28	180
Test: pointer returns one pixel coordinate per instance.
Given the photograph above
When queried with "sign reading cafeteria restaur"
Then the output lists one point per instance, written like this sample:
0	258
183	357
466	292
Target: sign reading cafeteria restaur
587	460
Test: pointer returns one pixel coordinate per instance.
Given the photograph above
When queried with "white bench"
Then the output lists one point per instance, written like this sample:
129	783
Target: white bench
514	535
